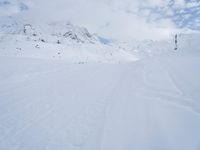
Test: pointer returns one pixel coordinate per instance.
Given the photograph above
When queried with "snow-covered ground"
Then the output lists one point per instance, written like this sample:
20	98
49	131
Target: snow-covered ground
64	88
150	104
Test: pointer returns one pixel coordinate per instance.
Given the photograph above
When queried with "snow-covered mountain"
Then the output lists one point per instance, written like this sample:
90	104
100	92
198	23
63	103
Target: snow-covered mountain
63	40
56	40
20	35
55	30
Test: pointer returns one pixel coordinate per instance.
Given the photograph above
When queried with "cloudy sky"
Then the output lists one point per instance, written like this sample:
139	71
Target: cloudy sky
122	19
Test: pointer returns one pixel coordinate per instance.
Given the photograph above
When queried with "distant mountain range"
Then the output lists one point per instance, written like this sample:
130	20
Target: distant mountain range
21	37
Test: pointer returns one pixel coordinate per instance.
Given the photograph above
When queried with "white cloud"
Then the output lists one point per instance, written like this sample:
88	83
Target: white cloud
180	3
8	8
193	4
11	7
154	3
125	19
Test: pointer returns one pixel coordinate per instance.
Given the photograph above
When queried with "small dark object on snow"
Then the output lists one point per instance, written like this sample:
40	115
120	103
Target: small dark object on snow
18	48
37	46
58	42
42	40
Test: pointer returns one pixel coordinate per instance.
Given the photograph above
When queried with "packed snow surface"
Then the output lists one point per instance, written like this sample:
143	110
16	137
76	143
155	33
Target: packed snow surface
150	104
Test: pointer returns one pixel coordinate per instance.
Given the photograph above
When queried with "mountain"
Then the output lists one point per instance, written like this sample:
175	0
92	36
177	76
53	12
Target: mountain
67	30
63	40
20	31
56	40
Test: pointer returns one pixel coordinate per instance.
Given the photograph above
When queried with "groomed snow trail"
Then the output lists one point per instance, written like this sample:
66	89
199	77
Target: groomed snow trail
51	105
156	106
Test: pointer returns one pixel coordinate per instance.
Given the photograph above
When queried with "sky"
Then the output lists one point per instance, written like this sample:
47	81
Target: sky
117	19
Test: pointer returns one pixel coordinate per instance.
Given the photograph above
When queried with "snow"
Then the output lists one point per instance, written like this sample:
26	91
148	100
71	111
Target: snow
156	106
22	46
53	105
86	92
57	40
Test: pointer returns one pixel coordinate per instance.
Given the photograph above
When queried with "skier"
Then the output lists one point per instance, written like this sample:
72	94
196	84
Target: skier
176	41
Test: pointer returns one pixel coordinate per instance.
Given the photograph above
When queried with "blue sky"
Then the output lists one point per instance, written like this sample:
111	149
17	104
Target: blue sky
184	15
114	18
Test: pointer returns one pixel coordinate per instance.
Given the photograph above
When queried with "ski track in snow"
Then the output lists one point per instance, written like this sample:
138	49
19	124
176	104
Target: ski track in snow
65	107
77	129
175	97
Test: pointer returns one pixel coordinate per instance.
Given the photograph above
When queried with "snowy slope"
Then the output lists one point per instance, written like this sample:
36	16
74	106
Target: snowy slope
56	40
64	88
150	104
